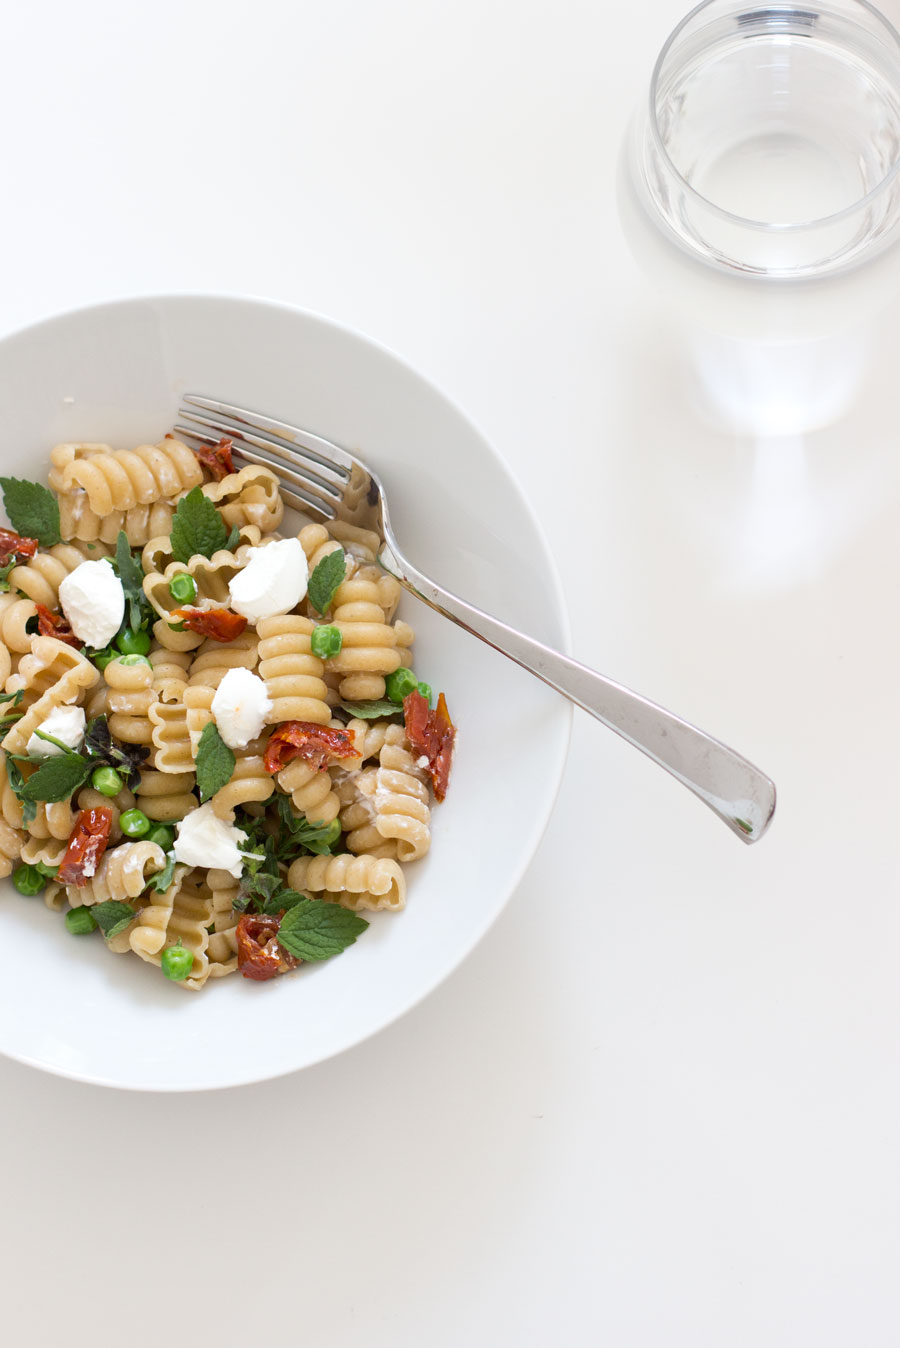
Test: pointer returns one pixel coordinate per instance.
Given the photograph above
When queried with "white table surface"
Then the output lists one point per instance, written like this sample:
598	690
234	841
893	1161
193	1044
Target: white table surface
659	1105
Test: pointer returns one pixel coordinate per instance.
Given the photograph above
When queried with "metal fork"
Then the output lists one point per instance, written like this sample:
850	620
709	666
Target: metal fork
328	483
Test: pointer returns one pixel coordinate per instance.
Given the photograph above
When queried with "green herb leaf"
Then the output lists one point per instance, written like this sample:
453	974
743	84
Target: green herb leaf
162	880
197	527
282	900
257	892
4	575
33	510
215	762
370	711
51	739
233	538
57	778
17	782
103	749
112	917
316	930
295	834
9	715
325	579
132	578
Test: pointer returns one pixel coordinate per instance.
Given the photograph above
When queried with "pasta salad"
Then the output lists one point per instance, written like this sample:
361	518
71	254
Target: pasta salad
214	748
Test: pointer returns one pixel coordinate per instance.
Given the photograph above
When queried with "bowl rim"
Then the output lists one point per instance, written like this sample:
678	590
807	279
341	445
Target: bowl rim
553	777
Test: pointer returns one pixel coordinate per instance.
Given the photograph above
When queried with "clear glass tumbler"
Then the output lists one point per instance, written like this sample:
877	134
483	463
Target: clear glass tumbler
760	190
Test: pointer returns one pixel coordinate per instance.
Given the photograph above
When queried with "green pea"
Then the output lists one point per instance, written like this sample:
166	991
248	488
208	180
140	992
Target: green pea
131	660
326	641
400	684
107	781
176	962
28	880
134	823
102	658
425	690
163	835
80	921
130	642
183	588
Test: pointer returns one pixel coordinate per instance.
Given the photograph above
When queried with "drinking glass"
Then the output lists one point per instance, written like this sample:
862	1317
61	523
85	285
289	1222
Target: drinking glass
759	189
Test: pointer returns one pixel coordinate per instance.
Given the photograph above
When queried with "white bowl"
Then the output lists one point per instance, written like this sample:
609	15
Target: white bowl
115	372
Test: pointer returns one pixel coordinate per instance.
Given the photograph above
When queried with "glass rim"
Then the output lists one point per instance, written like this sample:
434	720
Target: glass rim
731	217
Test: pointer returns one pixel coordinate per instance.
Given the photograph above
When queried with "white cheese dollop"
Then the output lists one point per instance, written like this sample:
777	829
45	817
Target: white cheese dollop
65	724
93	600
240	707
202	839
273	581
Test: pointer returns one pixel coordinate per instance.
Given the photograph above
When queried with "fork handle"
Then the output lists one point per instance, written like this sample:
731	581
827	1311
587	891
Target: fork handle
741	795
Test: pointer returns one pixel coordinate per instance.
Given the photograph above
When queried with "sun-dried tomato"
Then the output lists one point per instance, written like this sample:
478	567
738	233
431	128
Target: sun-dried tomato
432	734
315	744
52	624
87	843
259	954
14	545
219	623
217	458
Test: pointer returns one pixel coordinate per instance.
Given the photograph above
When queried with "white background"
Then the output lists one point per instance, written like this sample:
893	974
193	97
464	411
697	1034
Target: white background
659	1105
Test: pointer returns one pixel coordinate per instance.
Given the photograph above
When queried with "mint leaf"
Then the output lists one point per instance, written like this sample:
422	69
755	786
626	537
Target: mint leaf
325	579
162	880
215	762
57	778
197	527
16	780
314	929
233	538
132	578
112	917
370	711
33	510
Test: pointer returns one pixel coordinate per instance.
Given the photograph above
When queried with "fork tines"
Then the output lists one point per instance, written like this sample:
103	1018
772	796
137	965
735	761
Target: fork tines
313	472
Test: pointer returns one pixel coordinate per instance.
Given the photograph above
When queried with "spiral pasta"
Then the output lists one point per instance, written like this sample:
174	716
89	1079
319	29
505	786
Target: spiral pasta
164	796
131	698
11	840
51	675
78	523
210	574
369	648
122	874
292	674
250	496
171	741
360	883
121	479
171	670
249	782
183	914
211	663
311	791
388	814
39	578
15	614
222	946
